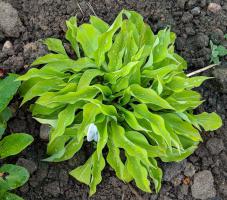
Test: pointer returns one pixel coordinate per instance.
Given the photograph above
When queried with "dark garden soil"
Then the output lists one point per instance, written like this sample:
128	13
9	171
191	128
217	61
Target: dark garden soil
203	175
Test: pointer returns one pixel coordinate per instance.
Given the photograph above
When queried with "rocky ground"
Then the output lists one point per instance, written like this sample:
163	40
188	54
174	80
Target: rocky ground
23	23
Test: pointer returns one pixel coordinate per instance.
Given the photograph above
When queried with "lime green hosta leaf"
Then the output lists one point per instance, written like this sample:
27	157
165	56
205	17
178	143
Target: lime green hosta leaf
181	127
44	73
87	36
178	83
138	172
83	173
131	120
70	97
90	172
117	51
41	87
160	72
87	77
107	110
209	121
156	121
106	39
50	58
124	71
55	45
161	50
148	96
155	173
176	156
99	24
102	137
65	118
184	100
122	141
71	34
14	144
140	140
114	160
6	95
17	176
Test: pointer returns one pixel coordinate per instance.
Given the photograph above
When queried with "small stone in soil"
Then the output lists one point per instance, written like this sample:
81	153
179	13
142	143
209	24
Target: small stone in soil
215	145
195	11
214	7
44	132
28	164
8	48
189	169
203	186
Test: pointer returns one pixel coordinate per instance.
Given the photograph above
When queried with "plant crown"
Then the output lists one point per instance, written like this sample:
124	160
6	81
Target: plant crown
125	89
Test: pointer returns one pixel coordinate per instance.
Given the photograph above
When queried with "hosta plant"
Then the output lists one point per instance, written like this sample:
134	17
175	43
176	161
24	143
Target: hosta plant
126	91
11	176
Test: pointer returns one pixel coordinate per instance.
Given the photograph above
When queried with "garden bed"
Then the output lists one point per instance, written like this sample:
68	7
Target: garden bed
202	175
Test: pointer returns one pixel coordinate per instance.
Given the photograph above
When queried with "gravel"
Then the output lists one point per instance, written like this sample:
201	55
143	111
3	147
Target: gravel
10	23
203	186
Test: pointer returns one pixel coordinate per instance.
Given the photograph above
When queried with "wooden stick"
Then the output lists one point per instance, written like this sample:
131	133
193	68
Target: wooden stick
201	70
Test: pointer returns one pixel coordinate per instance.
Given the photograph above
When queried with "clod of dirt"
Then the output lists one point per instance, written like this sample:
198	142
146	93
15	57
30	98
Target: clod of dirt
171	170
192	3
28	164
203	186
15	63
223	189
8	48
220	73
201	40
181	3
10	23
182	191
33	50
187	17
44	132
217	36
53	189
215	145
214	7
